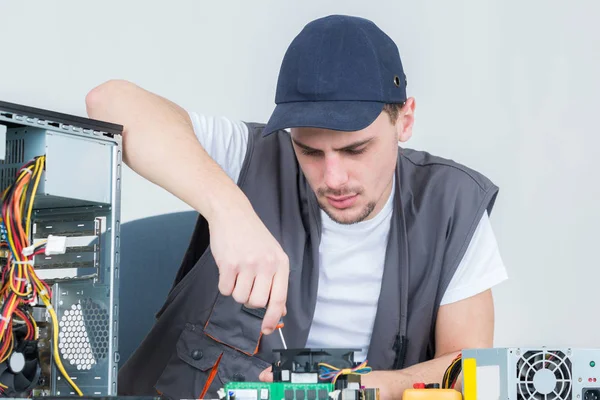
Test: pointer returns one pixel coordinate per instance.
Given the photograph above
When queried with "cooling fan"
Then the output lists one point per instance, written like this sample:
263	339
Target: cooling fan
21	371
544	375
531	373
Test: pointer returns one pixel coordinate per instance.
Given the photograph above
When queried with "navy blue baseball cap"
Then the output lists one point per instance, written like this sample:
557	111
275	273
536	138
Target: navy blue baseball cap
337	74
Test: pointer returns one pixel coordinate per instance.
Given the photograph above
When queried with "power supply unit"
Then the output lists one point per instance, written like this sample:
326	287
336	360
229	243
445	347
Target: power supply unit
59	253
531	373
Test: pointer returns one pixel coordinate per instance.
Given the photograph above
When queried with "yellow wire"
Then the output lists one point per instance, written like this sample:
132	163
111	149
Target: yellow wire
10	309
10	349
12	244
11	280
8	230
55	327
45	298
22	175
36	331
360	366
346	371
9	235
448	371
37	173
23	198
329	366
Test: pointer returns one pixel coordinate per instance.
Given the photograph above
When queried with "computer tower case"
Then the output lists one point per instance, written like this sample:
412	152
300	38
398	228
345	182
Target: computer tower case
60	176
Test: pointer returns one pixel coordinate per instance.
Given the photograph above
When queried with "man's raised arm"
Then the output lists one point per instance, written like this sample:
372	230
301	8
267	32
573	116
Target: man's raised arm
159	144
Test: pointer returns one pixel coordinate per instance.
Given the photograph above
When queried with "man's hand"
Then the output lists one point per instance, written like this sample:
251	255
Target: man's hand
266	375
253	268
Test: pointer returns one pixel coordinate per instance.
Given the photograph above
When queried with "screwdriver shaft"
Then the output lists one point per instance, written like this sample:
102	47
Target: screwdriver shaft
282	339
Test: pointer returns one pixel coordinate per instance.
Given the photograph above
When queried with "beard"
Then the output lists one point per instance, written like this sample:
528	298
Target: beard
331	212
366	211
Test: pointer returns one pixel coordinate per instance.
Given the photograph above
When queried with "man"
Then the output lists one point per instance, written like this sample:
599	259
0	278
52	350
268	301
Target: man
345	236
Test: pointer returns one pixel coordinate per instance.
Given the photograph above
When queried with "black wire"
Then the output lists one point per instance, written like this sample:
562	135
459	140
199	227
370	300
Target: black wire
454	374
451	374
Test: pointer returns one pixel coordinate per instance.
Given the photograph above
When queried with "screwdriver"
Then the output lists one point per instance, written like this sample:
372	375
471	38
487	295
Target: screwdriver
261	314
278	327
282	338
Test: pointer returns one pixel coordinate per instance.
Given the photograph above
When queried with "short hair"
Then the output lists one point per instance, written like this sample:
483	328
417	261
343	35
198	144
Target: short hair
393	109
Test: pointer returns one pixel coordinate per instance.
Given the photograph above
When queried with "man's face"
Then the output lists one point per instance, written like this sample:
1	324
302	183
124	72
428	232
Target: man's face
352	172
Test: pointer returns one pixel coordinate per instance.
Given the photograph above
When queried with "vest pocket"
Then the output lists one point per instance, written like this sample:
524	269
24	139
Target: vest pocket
200	366
230	325
190	367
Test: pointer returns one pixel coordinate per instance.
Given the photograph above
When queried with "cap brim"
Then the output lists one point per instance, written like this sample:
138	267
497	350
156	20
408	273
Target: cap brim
335	115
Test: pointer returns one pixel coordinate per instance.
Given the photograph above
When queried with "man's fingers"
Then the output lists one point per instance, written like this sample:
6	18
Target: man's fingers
243	287
276	302
260	291
266	375
226	281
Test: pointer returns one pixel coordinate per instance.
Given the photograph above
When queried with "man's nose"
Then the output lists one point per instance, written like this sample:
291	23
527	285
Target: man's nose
336	175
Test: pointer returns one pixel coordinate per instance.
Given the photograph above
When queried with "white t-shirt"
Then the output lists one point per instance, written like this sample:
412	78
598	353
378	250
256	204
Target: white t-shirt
345	250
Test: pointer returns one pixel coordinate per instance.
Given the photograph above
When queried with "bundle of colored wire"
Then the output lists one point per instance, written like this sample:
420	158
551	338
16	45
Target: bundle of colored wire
21	288
16	288
331	373
452	373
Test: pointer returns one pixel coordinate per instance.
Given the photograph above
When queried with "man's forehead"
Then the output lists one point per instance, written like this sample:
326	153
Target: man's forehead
328	139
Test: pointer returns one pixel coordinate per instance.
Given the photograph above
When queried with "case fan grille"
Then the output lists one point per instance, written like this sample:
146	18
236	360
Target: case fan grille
544	375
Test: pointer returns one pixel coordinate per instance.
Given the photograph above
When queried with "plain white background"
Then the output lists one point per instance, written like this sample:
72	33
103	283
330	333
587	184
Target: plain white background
508	87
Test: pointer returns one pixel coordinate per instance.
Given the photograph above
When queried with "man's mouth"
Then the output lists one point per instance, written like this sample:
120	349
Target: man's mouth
342	202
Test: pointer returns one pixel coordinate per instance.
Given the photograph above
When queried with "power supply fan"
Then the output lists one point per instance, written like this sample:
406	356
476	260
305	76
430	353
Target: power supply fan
544	375
20	373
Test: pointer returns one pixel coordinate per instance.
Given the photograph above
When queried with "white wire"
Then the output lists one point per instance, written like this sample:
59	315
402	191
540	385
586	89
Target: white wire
282	339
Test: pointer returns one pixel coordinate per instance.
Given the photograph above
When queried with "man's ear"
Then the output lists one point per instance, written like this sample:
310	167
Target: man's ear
406	119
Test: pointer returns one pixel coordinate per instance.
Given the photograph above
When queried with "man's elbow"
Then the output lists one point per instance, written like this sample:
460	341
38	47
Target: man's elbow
98	99
468	323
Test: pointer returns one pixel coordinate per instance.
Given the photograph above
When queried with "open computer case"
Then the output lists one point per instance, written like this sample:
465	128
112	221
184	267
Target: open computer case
59	253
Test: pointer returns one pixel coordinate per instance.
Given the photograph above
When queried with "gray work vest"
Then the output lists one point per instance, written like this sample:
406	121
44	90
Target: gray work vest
437	206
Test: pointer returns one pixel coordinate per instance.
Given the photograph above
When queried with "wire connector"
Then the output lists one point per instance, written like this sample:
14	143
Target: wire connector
27	251
56	245
26	262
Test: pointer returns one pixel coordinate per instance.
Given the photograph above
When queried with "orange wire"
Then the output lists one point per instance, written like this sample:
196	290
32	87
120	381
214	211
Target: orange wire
9	312
8	344
19	205
17	210
22	315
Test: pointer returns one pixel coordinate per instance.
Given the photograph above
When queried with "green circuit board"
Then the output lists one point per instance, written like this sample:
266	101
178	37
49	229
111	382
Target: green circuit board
277	391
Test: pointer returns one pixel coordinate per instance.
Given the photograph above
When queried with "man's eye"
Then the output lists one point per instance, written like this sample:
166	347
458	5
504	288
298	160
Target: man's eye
356	151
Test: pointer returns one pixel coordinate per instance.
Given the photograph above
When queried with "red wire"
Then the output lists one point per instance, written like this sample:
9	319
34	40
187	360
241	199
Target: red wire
22	273
6	314
7	341
30	328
